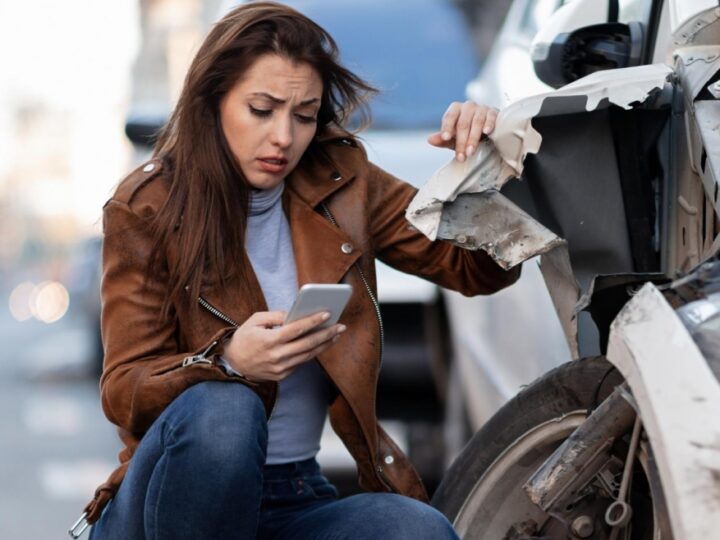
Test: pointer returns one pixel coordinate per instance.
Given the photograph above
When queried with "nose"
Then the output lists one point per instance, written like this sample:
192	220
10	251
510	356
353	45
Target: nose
281	134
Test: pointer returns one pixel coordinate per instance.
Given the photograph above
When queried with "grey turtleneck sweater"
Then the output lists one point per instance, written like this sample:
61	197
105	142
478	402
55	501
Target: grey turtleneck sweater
299	415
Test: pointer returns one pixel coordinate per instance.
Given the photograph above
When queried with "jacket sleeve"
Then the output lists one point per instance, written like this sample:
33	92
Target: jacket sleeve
403	247
143	368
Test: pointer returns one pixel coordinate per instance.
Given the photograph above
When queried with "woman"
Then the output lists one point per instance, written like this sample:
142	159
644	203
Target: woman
255	188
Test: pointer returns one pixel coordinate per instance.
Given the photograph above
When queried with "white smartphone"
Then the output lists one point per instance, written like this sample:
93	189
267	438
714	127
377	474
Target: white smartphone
317	297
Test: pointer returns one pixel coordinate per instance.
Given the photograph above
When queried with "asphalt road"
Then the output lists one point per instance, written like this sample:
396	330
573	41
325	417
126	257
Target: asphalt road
56	445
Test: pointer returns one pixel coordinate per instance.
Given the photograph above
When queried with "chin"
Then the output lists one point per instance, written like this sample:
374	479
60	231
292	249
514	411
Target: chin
267	182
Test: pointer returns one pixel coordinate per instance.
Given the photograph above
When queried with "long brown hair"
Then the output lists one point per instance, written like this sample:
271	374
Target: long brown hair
205	215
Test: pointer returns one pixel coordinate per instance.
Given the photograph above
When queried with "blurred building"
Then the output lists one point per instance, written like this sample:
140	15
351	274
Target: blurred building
64	89
171	32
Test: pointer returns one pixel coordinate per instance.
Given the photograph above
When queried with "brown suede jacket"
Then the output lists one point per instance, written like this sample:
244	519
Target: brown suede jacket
341	219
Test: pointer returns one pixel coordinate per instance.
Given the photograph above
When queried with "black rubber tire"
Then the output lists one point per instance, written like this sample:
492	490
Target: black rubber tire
581	384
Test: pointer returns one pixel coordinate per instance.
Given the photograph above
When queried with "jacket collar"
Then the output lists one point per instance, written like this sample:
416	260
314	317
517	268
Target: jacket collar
314	182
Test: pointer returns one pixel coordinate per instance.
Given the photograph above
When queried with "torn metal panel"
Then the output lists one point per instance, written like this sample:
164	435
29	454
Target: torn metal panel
564	292
690	19
514	137
494	224
488	171
607	295
491	222
695	66
678	398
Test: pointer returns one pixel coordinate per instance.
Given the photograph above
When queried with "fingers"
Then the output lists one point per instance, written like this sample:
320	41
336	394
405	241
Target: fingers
436	140
310	341
463	126
303	350
449	121
292	331
490	121
289	365
268	319
468	113
477	127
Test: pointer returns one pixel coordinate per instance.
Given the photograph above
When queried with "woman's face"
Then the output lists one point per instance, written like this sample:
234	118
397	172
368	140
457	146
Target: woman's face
269	118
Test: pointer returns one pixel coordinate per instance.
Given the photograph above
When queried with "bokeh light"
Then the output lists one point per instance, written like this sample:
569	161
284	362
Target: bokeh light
49	301
19	302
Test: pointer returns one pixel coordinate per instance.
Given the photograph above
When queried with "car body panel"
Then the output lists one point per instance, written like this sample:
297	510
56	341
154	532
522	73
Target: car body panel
507	367
678	402
675	117
690	19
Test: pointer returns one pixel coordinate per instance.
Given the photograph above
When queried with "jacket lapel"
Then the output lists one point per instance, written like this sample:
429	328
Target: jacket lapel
317	243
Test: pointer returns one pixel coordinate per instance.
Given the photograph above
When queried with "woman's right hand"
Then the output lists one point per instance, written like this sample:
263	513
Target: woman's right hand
262	352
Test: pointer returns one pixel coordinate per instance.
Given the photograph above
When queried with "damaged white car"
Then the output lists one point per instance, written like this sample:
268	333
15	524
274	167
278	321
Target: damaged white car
619	174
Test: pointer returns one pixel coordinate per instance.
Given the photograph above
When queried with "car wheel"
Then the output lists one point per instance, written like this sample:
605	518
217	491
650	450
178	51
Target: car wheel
482	494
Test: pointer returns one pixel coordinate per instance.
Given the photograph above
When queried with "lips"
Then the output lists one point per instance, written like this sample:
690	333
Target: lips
273	164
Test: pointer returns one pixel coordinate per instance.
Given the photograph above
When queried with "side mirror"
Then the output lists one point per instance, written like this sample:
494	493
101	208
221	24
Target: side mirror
573	55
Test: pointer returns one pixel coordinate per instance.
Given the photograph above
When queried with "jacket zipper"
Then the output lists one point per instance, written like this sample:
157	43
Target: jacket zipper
219	314
215	311
202	357
199	358
375	303
379	468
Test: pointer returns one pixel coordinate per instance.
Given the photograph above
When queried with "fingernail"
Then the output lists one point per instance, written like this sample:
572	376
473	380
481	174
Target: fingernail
446	136
486	129
325	316
342	329
470	150
461	157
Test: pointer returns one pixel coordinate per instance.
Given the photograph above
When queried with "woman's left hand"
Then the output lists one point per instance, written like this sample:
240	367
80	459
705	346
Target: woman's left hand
463	124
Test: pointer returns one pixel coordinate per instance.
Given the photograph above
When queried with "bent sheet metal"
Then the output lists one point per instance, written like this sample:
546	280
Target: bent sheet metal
462	202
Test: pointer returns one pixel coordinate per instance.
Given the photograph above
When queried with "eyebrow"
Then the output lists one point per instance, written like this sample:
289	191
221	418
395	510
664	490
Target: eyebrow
281	101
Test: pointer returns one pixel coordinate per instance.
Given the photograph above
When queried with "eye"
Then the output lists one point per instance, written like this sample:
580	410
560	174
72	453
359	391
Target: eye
303	119
262	113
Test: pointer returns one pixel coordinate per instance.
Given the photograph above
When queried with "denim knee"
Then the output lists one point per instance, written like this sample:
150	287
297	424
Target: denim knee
400	517
221	421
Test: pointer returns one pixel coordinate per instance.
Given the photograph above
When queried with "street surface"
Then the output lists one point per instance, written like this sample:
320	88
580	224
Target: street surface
56	444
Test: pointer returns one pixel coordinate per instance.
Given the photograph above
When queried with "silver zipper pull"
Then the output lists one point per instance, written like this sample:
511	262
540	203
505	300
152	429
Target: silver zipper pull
79	526
199	358
196	359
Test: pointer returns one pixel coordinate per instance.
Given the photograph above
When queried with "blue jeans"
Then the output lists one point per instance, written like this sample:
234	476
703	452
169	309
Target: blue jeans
199	473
